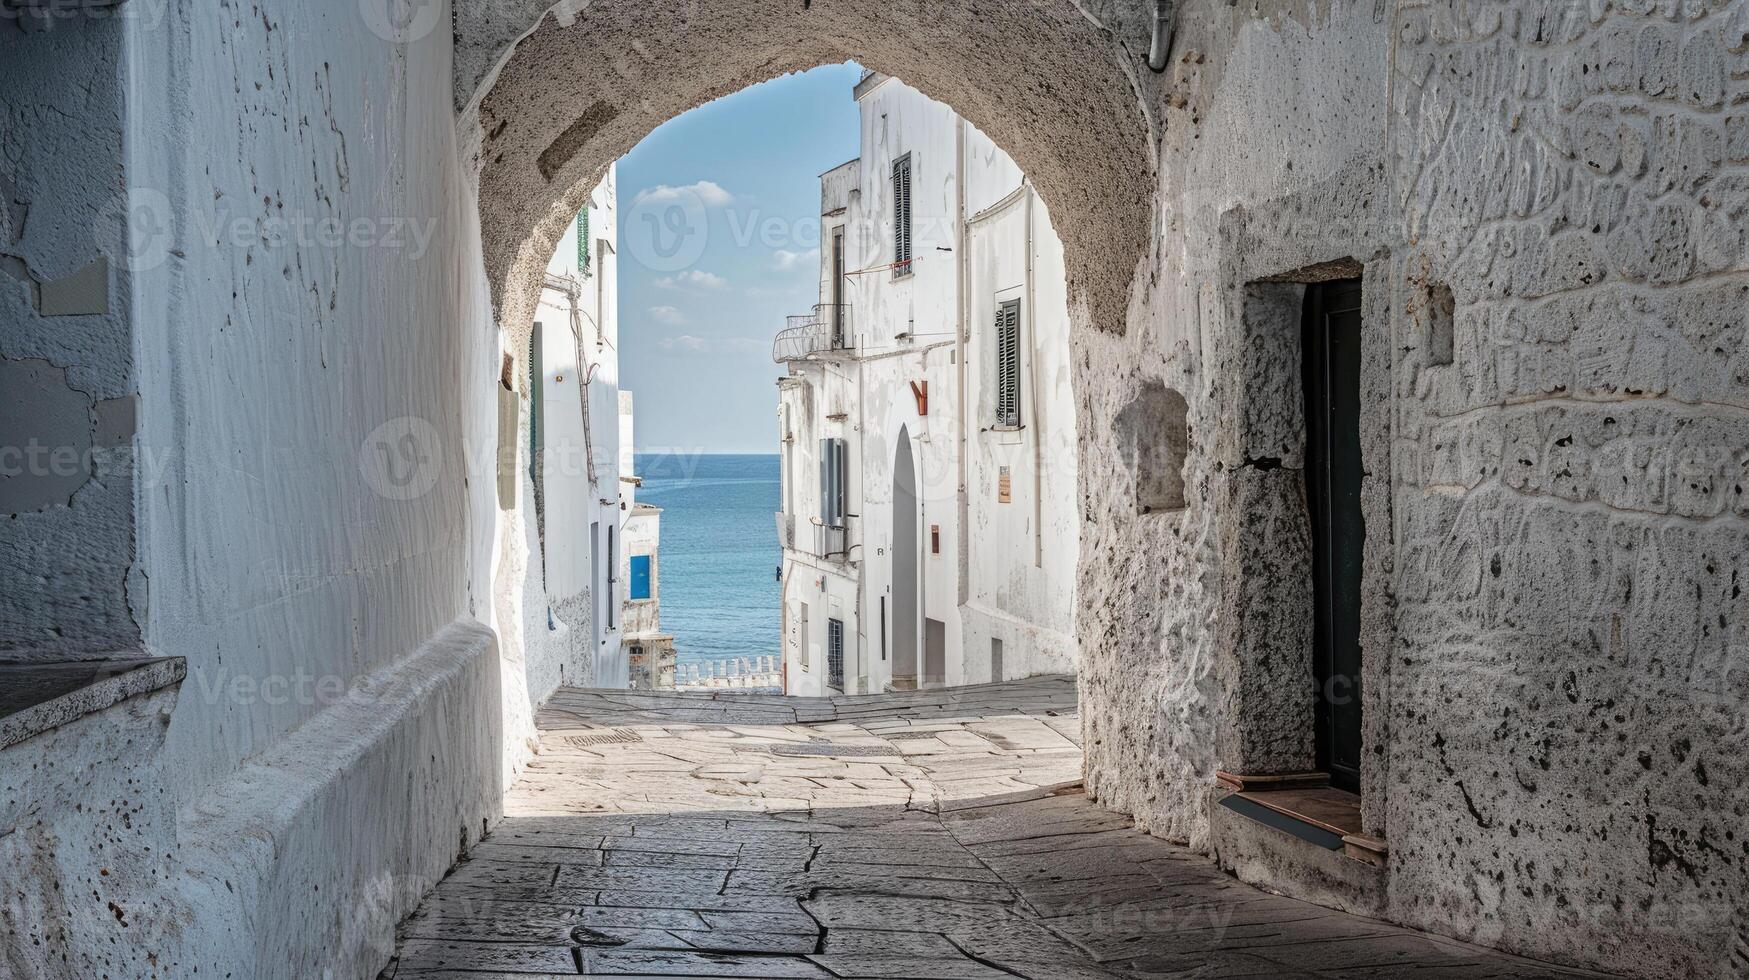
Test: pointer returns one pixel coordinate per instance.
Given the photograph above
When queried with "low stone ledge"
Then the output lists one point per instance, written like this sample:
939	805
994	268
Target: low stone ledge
38	697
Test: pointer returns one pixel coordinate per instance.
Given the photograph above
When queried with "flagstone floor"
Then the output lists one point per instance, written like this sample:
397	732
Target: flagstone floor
935	834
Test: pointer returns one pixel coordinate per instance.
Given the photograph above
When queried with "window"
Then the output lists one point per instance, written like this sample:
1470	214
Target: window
902	216
835	653
1008	364
640	577
833	463
612	577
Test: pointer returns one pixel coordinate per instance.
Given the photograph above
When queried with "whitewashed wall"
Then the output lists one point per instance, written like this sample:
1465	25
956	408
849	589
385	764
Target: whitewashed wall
1003	570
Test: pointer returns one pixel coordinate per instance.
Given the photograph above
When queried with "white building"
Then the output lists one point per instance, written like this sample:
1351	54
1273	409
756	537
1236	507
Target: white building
580	452
929	520
649	652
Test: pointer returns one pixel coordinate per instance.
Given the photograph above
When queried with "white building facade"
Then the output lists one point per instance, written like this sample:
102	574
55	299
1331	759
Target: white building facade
579	430
929	526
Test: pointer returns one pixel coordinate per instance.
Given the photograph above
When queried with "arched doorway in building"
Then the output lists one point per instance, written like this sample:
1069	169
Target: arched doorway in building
904	557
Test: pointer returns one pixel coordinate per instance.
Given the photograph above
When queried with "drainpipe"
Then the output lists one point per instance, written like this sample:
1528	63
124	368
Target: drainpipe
962	245
574	292
1161	45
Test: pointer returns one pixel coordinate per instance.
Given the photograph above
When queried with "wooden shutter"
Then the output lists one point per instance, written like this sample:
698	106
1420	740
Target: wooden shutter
902	216
832	460
1008	364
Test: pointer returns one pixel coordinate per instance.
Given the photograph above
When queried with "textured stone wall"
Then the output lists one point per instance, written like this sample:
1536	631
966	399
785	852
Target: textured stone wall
583	83
67	380
1546	202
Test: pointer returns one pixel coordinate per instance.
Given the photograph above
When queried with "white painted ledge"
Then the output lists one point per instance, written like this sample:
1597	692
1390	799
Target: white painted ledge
40	697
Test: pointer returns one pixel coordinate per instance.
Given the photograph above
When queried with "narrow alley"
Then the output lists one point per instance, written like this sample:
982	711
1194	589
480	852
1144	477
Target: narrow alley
938	834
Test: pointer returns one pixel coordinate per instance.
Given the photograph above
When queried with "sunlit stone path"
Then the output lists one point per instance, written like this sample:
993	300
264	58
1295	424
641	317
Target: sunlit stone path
933	834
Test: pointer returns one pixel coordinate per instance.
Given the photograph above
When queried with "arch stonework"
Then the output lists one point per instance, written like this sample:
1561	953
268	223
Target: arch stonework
552	96
1517	154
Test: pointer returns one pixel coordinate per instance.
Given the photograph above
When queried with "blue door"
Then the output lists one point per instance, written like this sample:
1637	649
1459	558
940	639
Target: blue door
640	576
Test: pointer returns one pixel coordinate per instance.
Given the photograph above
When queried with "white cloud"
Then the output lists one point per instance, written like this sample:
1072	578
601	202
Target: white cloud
692	277
707	191
667	314
689	344
787	259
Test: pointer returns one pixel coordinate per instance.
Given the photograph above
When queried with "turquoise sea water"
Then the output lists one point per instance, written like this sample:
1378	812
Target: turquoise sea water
719	551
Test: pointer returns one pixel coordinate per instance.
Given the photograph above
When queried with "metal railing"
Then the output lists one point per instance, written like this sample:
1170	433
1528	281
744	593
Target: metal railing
825	329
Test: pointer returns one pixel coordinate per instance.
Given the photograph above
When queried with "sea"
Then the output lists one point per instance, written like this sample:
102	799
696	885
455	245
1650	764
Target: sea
720	555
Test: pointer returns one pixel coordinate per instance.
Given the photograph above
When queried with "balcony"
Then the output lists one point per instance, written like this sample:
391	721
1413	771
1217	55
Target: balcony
824	330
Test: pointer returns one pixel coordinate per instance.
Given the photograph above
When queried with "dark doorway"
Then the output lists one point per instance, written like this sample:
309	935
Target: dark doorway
904	558
1333	474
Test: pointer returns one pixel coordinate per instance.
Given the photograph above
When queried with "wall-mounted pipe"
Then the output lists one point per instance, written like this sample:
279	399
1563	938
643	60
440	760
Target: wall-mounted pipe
1161	45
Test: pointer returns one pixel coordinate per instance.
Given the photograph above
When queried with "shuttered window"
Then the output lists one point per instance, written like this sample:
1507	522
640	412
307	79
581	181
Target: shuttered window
1008	364
834	479
583	241
902	216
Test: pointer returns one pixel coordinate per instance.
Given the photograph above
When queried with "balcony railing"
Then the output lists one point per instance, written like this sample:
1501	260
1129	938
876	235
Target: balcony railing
825	329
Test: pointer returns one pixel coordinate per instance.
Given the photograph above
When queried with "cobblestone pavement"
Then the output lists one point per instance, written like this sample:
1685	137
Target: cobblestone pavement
933	834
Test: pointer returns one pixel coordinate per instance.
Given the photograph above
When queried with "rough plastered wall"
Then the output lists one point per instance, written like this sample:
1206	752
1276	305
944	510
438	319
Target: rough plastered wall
318	369
554	93
66	354
1556	677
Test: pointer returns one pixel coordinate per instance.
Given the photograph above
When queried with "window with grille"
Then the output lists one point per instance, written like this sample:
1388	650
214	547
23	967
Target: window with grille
835	653
902	216
1008	364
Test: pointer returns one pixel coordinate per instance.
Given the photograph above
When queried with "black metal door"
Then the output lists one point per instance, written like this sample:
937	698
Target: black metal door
1333	476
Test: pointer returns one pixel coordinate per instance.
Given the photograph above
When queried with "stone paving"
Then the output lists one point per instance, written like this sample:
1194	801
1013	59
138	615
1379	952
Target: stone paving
936	834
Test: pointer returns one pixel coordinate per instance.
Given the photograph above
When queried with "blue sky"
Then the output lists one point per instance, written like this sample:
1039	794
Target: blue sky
719	238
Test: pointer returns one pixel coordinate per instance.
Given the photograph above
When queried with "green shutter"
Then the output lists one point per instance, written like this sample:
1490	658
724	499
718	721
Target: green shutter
1008	364
583	241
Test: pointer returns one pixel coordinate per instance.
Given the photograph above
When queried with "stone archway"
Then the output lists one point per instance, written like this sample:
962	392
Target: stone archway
552	94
